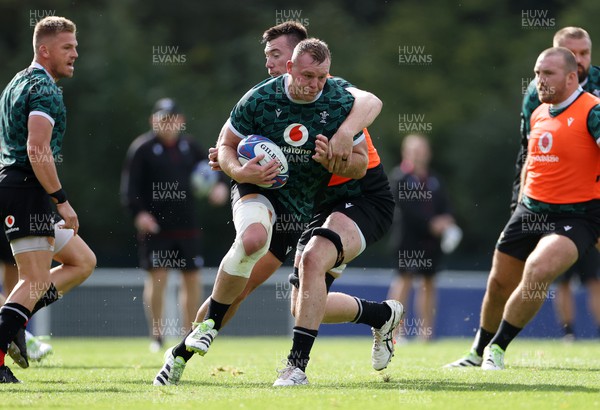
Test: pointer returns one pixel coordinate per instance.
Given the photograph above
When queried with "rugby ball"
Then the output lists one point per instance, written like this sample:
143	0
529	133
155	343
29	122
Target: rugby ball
254	145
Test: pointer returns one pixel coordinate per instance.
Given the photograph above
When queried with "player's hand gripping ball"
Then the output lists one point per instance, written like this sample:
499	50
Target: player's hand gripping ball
254	145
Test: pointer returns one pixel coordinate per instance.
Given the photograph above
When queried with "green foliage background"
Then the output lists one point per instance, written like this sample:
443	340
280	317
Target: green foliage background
482	54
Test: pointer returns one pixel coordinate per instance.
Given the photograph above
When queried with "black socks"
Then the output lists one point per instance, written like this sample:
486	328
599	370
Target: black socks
374	314
216	312
51	296
302	344
482	339
13	316
505	334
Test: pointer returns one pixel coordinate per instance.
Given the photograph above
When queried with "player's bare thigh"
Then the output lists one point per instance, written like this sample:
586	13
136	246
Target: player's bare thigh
350	235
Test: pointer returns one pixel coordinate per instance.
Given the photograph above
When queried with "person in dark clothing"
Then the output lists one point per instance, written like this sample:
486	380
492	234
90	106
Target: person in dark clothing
423	227
157	190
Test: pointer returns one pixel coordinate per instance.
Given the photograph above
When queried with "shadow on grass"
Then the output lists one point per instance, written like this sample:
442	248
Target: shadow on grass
500	386
96	389
52	386
408	384
557	368
93	367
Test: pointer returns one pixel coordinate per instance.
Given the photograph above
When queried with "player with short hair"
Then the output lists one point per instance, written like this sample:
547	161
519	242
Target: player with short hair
352	214
32	124
586	268
578	41
563	147
342	308
280	41
298	156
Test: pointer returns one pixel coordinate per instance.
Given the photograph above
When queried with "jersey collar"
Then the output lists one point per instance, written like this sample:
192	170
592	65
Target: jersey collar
568	101
35	64
286	80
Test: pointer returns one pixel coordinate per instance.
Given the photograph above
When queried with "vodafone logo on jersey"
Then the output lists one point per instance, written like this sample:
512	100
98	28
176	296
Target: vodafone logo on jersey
9	221
545	145
296	135
545	142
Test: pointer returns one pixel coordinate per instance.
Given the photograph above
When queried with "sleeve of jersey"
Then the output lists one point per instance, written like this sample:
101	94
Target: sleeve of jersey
530	102
339	82
358	138
342	83
241	121
593	123
41	101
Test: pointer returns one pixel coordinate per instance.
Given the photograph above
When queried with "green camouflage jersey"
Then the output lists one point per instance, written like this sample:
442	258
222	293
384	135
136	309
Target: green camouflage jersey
336	193
530	102
31	92
268	110
349	189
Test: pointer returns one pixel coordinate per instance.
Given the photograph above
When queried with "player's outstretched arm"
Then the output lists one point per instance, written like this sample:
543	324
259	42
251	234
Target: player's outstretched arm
357	161
365	109
251	172
42	163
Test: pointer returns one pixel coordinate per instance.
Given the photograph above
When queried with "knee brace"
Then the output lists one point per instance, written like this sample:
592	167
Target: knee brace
335	239
246	213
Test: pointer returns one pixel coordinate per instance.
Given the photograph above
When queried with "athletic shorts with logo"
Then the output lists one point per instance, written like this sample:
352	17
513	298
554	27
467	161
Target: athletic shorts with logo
26	212
525	228
372	210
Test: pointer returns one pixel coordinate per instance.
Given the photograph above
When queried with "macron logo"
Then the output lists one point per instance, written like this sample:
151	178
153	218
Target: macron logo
569	121
349	204
278	112
568	227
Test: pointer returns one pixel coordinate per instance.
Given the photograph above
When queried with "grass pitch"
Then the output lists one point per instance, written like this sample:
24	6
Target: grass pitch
238	373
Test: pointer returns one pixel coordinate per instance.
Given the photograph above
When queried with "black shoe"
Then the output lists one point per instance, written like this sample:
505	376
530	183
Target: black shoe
7	376
18	349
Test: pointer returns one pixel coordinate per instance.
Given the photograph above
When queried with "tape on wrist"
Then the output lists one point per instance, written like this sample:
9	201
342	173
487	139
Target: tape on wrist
60	196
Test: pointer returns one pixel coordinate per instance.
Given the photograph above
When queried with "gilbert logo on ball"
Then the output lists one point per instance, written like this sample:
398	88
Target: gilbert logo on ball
255	145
